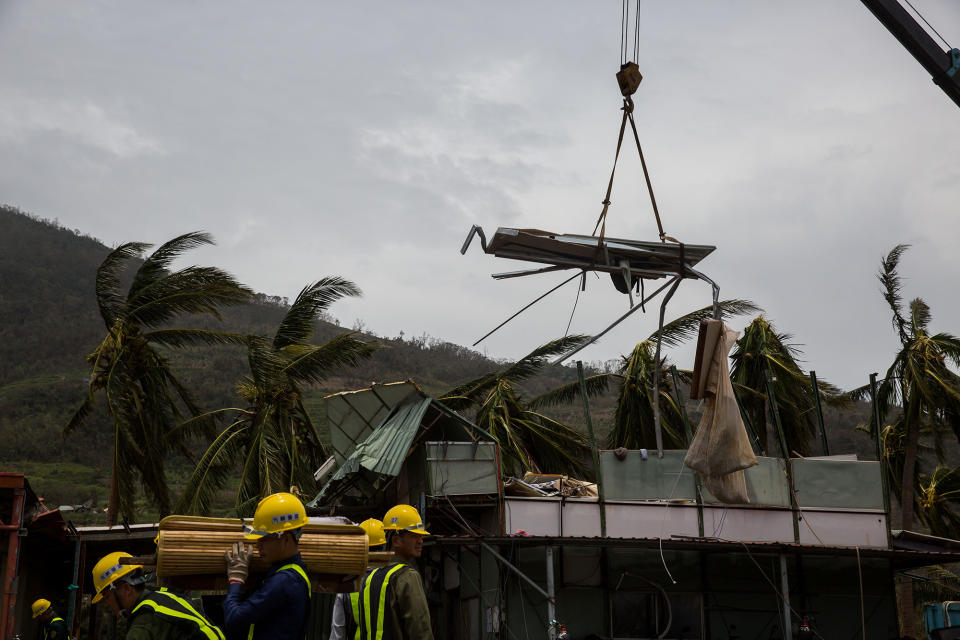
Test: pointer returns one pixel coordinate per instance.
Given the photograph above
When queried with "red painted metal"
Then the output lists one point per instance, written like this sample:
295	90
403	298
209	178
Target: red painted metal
16	482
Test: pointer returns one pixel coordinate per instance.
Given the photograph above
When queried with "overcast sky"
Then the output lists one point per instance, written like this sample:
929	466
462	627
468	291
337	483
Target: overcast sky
364	139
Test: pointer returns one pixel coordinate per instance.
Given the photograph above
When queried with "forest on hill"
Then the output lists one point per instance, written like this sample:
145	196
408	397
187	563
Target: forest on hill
49	323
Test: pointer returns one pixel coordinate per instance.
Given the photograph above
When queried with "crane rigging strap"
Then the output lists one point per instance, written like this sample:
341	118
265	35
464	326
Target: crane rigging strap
602	220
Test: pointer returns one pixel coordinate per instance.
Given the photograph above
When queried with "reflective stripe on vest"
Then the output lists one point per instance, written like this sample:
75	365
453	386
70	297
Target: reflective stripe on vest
375	587
49	625
353	623
167	604
303	574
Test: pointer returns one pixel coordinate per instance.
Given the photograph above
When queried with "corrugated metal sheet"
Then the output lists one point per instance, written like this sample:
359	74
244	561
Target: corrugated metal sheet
382	453
353	415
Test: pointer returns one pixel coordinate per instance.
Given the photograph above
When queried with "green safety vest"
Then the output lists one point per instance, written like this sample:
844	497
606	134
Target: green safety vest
167	605
371	604
303	574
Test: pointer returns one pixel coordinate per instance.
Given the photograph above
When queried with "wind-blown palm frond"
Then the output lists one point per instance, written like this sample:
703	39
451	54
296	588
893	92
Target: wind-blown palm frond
194	290
678	331
310	363
297	325
596	385
177	338
532	363
156	266
110	299
890	280
212	470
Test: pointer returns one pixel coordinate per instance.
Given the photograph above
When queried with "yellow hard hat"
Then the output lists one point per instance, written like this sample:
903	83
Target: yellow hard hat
39	607
403	517
275	514
374	531
108	570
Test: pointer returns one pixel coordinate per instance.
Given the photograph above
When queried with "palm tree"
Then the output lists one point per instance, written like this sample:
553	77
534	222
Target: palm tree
762	352
923	395
271	440
143	397
634	426
529	440
938	494
918	380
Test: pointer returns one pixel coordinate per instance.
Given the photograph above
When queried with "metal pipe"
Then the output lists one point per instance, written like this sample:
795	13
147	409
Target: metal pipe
785	592
617	321
875	400
714	285
74	587
510	566
551	604
794	505
593	449
746	421
816	397
698	482
13	559
656	369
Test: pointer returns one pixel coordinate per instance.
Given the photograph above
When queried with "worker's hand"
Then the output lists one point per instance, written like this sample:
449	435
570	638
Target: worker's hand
238	562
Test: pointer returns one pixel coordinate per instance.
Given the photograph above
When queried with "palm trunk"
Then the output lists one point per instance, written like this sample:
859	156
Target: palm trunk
907	501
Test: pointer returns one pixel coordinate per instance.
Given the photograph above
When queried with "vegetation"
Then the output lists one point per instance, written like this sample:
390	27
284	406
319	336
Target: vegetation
763	354
143	397
529	439
273	436
919	391
634	426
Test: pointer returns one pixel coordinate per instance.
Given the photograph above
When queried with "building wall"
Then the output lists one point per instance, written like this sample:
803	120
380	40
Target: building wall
712	595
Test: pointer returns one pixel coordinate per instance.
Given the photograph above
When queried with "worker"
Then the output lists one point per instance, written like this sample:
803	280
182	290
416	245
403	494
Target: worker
52	626
346	607
278	609
397	587
152	615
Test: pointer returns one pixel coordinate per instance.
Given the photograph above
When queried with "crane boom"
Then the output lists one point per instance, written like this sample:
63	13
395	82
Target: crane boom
943	66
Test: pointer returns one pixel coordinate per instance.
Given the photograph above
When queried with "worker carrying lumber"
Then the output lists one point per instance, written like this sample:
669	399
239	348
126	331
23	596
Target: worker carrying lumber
152	615
52	626
397	587
346	607
278	609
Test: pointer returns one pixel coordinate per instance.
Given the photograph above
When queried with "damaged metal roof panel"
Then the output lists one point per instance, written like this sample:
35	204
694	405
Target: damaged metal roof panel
612	255
353	415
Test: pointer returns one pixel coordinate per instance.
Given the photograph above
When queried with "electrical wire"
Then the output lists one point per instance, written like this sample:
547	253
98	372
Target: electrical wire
583	285
915	10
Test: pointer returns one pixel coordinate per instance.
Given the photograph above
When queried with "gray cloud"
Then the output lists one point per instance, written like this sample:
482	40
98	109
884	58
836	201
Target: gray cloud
801	139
